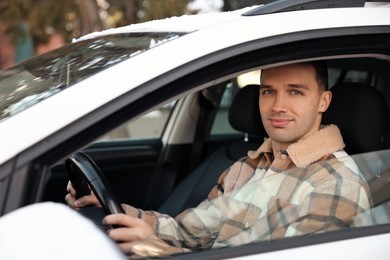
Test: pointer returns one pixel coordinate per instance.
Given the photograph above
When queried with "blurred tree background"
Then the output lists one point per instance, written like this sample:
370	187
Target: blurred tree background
30	27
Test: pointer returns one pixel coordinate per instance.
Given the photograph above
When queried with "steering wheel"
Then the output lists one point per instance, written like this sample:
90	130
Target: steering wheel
83	171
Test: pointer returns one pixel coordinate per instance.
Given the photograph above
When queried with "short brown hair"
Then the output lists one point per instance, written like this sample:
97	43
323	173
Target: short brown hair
321	70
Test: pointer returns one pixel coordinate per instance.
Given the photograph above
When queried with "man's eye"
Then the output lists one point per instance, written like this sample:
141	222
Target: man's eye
295	92
267	92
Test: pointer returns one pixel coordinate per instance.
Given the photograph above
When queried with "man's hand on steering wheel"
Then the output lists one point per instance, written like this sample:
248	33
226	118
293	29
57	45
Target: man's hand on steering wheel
86	178
130	230
88	200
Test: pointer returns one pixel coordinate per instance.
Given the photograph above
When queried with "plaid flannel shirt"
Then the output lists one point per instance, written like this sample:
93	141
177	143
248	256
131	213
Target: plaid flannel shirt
257	199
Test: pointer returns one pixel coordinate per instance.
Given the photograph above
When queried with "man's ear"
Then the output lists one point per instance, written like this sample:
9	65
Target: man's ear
325	99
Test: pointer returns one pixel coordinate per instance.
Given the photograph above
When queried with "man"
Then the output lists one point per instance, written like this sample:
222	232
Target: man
256	199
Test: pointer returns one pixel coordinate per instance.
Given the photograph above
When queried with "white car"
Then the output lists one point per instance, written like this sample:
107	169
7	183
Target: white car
153	104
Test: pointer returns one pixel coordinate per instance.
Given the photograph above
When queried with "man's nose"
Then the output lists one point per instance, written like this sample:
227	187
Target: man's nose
279	104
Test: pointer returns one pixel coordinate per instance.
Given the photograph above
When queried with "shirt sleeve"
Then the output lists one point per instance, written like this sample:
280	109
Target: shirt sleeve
198	227
191	229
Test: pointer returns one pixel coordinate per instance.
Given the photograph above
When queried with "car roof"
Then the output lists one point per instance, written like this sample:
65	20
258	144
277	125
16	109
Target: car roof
179	24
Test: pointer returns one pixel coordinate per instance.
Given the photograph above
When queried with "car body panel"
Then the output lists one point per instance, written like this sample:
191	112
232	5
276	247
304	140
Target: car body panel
346	249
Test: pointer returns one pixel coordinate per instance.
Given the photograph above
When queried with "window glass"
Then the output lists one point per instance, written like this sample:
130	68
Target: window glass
150	125
221	123
339	75
43	76
375	167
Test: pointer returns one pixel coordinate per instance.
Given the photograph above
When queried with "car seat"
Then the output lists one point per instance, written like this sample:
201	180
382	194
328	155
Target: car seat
363	116
244	116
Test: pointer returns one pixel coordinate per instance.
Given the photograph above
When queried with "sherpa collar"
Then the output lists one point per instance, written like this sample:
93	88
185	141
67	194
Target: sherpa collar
310	149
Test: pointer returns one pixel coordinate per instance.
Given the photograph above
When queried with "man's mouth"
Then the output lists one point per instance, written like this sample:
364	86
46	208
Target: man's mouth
279	122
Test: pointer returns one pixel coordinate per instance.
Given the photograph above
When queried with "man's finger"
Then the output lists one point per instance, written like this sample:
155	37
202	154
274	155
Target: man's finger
70	189
120	219
70	200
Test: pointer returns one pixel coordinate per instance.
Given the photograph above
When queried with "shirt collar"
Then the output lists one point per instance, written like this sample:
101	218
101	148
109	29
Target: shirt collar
310	149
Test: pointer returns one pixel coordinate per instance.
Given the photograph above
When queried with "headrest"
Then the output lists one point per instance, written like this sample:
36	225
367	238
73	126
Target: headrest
244	113
362	114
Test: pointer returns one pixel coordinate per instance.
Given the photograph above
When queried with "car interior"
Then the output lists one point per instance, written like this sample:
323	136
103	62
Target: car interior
159	182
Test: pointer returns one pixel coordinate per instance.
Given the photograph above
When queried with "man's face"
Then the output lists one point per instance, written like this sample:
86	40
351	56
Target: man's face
291	102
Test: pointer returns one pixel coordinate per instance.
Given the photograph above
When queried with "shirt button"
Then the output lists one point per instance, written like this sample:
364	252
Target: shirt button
283	156
246	225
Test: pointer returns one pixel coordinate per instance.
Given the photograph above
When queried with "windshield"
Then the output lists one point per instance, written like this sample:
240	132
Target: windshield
38	78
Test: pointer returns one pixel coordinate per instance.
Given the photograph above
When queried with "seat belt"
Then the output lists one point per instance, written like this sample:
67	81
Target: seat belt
207	103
